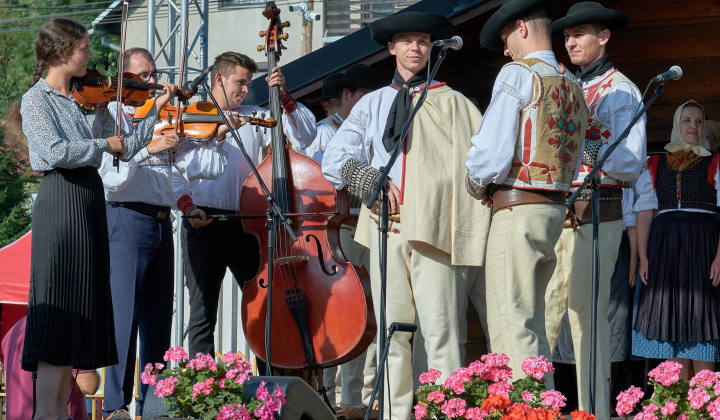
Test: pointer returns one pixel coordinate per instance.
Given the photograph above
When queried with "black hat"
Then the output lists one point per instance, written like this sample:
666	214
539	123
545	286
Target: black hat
438	26
327	90
510	10
359	75
591	12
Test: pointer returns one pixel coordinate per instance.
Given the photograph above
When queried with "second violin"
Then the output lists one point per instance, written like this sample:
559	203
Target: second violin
199	120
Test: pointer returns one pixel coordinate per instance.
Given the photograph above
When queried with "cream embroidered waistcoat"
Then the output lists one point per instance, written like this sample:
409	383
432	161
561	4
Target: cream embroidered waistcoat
551	132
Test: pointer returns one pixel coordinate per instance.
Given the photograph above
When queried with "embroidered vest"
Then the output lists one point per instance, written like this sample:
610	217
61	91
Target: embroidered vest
686	189
597	131
551	130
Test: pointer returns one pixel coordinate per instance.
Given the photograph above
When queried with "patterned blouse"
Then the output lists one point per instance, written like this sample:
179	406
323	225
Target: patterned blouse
61	135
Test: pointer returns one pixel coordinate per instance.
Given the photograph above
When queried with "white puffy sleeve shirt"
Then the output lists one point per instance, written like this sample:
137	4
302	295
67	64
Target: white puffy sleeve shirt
362	133
493	146
616	111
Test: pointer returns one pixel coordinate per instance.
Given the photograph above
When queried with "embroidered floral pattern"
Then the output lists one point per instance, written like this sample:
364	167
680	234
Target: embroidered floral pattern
563	142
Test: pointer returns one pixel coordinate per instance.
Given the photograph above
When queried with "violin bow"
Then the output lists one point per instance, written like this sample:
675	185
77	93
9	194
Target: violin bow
121	71
180	83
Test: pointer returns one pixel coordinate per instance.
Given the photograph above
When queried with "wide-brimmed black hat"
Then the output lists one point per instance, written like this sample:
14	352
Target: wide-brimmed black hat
327	90
591	12
358	75
508	11
438	26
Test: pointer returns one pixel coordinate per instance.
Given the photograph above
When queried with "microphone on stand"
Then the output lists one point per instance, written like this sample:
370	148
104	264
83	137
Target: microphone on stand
193	86
675	73
454	43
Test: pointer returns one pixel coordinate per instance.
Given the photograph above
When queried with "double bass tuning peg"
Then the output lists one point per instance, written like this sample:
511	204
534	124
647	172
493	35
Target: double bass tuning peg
283	36
260	47
262	34
285	24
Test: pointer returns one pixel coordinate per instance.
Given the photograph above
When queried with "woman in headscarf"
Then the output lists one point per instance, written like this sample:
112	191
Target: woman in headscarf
678	302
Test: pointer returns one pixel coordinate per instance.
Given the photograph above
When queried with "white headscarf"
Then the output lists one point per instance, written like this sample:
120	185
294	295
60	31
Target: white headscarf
676	140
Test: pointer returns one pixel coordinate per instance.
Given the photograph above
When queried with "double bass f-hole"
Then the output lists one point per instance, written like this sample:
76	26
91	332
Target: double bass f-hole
321	256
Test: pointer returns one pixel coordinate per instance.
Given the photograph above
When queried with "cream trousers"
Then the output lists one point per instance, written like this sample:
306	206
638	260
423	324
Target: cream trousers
570	291
520	262
419	278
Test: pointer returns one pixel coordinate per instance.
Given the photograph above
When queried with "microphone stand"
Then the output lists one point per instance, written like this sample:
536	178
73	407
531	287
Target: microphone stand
593	180
275	217
395	326
382	185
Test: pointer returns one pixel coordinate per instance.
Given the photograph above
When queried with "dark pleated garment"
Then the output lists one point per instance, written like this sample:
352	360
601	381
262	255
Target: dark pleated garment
70	318
680	303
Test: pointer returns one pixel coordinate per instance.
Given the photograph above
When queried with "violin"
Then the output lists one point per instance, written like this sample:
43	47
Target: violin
322	313
95	90
199	120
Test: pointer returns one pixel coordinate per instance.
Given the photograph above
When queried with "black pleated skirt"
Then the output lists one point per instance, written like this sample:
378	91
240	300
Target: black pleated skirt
70	317
680	303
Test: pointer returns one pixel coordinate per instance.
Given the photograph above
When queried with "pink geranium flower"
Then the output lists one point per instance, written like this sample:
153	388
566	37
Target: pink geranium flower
430	376
537	366
667	373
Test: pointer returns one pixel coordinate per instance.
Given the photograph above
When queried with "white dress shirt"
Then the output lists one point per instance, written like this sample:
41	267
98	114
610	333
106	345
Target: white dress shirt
148	178
224	192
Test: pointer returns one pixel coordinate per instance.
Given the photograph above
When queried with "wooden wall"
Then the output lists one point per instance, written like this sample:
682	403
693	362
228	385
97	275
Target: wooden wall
661	33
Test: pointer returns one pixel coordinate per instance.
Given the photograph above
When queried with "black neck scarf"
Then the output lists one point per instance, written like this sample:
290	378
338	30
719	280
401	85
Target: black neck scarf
598	67
400	108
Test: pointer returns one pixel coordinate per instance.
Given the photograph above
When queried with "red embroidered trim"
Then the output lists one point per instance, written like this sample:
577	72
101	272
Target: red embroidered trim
185	204
713	169
288	103
652	166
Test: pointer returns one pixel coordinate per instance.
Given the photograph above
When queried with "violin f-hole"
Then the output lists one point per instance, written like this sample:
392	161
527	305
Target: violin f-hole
321	257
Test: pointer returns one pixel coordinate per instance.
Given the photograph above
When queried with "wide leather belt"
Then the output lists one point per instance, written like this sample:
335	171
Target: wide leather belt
610	207
158	212
504	197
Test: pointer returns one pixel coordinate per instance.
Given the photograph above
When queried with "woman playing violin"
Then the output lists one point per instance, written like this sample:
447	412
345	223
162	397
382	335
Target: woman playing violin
69	319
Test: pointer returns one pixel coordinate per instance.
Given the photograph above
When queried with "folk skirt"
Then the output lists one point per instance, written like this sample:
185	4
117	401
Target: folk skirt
679	302
70	316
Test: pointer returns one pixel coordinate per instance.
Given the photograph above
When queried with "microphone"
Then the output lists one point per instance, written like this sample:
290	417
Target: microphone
401	326
455	43
675	73
193	86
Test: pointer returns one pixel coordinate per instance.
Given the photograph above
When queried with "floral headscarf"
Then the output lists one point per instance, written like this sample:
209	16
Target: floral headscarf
676	140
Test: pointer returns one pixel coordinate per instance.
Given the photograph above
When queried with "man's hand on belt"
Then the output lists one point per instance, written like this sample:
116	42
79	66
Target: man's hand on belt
486	196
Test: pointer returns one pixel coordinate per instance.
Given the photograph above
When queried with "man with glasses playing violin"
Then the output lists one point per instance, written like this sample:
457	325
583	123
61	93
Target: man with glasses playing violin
210	246
139	195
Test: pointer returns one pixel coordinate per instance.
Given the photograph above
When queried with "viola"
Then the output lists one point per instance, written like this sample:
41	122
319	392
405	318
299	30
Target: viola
96	90
322	312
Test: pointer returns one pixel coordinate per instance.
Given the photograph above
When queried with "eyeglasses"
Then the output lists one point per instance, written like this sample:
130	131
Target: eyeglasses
148	76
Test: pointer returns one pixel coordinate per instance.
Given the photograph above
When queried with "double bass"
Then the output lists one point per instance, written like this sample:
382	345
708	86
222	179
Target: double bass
322	312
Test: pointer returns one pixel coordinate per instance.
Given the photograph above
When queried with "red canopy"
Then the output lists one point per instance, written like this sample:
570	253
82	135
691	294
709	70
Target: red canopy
15	271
